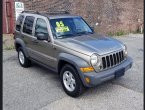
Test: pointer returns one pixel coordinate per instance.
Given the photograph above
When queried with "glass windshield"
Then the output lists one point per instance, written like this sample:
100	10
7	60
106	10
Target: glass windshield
69	27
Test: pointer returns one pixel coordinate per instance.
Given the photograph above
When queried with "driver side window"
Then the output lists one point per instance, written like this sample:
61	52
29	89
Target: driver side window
41	27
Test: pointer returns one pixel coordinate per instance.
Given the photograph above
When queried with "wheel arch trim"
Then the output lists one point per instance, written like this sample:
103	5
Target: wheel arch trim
22	44
76	62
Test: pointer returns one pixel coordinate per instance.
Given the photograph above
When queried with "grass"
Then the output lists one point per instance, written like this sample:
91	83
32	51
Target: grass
110	34
11	47
118	33
121	33
8	42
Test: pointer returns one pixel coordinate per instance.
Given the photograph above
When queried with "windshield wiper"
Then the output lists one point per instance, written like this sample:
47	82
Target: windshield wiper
67	35
83	32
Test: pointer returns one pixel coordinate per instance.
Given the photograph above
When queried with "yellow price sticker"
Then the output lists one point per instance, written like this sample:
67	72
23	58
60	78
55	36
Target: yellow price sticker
62	29
59	24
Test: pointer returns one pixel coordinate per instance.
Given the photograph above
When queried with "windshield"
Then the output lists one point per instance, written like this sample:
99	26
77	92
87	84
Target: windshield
69	27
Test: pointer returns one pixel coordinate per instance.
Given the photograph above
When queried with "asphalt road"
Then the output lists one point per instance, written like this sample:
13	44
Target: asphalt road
37	88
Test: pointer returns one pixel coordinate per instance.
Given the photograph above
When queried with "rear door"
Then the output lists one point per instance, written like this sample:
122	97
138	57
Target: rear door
27	32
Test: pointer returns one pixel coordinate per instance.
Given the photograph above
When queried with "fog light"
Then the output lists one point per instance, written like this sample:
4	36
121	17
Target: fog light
87	80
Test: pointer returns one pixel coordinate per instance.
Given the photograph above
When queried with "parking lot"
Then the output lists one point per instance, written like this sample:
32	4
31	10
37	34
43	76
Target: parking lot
37	88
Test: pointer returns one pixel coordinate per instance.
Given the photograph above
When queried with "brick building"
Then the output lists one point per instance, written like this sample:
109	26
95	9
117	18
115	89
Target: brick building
112	15
8	16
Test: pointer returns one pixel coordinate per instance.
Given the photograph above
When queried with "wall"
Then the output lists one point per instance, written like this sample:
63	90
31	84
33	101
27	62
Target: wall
8	16
112	15
5	30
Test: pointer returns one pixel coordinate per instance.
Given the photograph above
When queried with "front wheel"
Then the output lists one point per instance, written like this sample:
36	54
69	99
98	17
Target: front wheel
70	80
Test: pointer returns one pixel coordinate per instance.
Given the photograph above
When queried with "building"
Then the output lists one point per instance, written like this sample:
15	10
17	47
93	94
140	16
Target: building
8	16
112	15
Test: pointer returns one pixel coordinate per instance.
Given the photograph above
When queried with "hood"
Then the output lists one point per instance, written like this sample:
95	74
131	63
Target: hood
92	43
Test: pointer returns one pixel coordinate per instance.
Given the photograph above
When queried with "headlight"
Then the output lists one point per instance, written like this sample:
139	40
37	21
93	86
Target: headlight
125	50
94	60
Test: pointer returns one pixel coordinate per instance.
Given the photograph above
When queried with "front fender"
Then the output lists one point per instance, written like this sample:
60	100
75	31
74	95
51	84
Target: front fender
77	62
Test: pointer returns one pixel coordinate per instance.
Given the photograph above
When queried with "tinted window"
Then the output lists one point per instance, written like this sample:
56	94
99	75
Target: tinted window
28	25
41	27
19	22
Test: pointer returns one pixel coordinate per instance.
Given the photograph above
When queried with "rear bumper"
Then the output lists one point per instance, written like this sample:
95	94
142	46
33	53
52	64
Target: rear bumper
97	78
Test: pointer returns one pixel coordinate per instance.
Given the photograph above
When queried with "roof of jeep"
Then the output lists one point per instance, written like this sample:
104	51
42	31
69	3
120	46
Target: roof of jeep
51	15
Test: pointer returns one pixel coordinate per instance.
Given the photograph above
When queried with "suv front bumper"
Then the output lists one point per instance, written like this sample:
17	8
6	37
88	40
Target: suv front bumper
97	78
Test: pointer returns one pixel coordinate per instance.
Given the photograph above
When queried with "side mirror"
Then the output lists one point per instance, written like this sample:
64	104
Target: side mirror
41	36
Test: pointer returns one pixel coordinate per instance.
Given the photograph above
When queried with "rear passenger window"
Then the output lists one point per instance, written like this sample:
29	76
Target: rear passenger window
19	22
28	25
41	27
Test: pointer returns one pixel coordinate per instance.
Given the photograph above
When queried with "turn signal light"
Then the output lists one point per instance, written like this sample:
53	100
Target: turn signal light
87	69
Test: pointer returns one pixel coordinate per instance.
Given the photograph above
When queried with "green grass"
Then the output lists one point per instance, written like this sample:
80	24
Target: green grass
8	42
110	34
121	33
11	47
118	33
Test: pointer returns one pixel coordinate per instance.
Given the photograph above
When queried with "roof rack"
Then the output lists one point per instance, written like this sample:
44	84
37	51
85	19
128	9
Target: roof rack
30	11
45	12
58	12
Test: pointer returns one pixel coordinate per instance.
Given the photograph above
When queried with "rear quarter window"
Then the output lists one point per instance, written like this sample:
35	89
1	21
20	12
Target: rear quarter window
19	22
28	25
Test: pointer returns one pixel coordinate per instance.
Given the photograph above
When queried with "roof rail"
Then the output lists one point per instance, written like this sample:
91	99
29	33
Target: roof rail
30	11
45	12
58	12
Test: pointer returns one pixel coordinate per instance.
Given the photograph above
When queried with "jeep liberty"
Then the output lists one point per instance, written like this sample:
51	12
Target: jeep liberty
66	44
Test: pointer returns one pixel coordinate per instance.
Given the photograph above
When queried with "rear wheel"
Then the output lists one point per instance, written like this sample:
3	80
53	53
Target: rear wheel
23	60
71	82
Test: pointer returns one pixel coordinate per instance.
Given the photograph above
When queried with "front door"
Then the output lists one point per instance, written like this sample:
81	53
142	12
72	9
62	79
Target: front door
42	50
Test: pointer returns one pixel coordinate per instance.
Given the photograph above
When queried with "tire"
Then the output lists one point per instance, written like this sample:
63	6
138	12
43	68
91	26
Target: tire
23	60
75	87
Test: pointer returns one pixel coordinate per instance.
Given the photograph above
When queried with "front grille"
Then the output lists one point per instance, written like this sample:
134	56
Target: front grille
113	59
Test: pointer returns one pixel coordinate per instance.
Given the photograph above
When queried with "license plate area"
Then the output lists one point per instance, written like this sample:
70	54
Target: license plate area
119	73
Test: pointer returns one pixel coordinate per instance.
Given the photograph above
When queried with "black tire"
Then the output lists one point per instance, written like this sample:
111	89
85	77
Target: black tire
79	88
27	62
